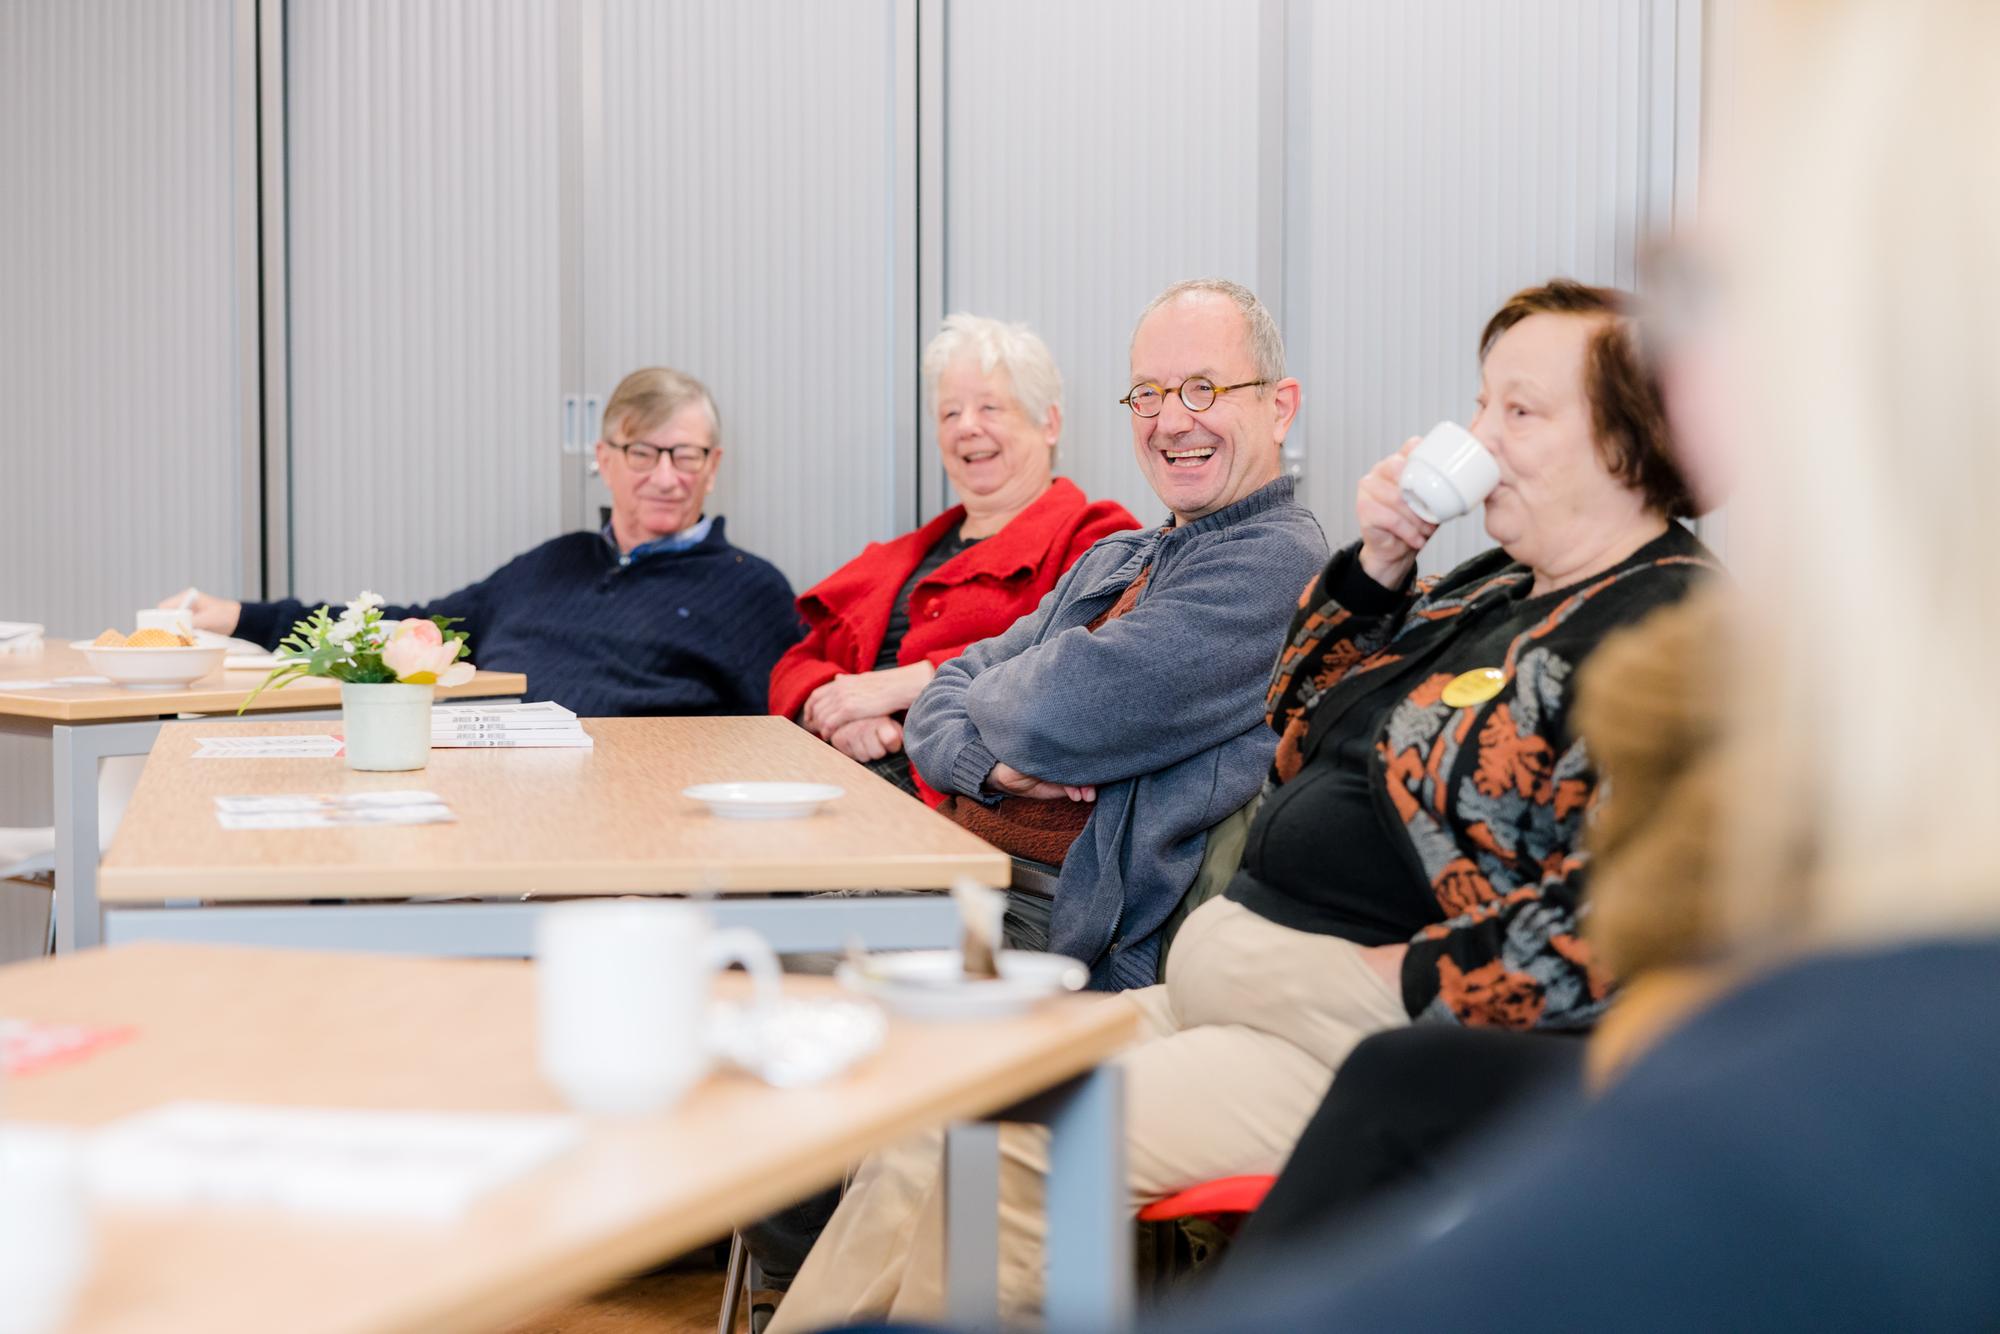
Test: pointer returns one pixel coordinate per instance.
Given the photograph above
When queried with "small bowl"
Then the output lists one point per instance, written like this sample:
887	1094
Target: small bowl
152	668
762	801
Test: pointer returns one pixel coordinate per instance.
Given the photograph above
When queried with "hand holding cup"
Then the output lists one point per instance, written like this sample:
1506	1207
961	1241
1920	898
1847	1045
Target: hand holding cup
1391	532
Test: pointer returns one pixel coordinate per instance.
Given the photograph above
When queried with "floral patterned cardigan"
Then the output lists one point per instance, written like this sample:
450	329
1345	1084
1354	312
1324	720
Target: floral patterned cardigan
1488	799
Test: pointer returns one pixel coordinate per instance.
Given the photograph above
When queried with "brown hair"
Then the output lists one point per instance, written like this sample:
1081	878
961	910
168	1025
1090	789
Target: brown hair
1625	406
648	398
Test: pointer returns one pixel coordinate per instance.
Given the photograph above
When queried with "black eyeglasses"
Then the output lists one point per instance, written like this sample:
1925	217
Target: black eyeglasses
642	457
1197	394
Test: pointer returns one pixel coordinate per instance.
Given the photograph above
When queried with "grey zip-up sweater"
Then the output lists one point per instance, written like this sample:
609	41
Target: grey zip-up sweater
1162	710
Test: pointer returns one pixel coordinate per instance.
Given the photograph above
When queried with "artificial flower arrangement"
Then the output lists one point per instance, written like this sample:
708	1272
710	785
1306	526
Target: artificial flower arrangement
361	648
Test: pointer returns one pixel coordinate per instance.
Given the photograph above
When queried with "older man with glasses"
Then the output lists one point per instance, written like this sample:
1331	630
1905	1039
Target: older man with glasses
655	614
1124	716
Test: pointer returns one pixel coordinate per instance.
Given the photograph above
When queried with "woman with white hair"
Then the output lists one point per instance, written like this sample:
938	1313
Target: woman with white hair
880	624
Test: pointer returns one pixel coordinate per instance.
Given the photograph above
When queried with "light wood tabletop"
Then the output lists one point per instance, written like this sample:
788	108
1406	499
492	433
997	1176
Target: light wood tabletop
366	1031
219	692
546	821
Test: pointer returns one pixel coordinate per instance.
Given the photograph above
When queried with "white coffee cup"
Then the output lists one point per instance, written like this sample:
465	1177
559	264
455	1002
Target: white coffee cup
624	987
178	621
1449	474
45	1233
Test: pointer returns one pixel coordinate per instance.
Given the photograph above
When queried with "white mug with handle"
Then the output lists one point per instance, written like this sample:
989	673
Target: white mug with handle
624	986
1449	474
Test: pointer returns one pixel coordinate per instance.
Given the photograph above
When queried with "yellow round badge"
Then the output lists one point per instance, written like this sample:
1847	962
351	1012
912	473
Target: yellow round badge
1474	687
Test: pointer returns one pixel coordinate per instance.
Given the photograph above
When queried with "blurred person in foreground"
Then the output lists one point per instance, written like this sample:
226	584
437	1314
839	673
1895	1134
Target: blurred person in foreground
879	627
1416	854
656	614
1797	1131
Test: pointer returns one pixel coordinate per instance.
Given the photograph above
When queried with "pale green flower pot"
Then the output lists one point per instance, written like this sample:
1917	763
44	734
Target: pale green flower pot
388	727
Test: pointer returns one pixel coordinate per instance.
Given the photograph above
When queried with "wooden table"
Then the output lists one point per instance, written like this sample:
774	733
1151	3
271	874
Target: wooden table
609	820
360	1031
87	724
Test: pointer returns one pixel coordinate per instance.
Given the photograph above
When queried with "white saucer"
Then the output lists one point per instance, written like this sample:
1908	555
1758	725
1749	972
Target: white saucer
930	984
762	801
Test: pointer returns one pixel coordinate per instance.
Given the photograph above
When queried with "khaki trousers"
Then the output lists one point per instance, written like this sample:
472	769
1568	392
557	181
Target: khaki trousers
1235	1054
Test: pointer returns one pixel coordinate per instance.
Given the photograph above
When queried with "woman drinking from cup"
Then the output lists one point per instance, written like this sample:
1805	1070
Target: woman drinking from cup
1416	854
880	624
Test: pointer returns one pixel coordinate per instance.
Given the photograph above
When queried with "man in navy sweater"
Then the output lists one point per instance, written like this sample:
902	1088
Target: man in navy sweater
656	614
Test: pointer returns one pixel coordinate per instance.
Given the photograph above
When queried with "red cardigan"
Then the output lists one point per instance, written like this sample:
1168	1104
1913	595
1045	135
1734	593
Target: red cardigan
973	596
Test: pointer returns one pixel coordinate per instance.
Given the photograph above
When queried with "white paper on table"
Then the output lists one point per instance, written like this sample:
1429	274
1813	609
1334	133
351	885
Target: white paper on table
313	746
396	815
427	1166
338	810
252	662
20	636
56	684
328	801
544	739
501	717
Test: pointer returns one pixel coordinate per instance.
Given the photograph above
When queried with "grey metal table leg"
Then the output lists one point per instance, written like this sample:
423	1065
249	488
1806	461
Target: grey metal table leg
972	1225
1089	1205
75	905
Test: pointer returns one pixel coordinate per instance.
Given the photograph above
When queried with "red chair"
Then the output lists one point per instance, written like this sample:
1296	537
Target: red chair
1176	1254
1212	1201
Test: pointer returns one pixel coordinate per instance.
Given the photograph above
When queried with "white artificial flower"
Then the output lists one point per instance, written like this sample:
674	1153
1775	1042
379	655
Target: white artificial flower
363	603
343	632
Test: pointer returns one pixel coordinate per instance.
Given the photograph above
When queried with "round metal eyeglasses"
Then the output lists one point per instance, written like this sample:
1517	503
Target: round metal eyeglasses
1197	394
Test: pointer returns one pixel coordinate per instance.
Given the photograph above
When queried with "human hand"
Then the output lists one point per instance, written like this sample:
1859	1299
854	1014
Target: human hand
217	615
866	739
1391	532
1006	778
863	695
1386	962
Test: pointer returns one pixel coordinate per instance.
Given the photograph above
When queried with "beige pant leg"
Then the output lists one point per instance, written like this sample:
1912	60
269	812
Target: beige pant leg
1239	1052
891	1220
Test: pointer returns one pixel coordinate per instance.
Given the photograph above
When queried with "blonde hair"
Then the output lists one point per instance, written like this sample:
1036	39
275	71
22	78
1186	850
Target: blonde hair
1863	279
1014	348
648	398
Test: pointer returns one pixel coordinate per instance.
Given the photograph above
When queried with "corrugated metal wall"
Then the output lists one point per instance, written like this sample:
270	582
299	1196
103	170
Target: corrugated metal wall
738	226
1446	153
1093	154
425	287
119	448
1386	169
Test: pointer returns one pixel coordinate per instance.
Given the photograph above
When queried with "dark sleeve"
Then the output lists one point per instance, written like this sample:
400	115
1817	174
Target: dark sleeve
1342	617
268	622
1520	961
769	626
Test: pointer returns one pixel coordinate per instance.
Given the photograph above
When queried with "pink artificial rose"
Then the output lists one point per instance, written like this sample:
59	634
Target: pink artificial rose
419	655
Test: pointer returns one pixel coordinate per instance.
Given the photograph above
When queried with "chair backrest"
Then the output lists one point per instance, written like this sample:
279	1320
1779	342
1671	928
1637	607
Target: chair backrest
1219	859
1037	878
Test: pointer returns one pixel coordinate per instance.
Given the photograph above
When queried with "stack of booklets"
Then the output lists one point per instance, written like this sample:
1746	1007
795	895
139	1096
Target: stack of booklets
543	724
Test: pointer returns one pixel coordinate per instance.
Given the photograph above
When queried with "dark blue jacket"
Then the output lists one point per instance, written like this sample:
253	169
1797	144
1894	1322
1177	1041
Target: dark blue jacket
694	631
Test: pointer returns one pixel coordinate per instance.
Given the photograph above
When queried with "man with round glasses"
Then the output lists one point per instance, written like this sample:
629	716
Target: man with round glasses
1102	735
1131	700
655	614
